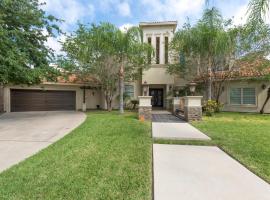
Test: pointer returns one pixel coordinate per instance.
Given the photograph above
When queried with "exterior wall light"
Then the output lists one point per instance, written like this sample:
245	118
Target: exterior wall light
263	86
145	88
192	87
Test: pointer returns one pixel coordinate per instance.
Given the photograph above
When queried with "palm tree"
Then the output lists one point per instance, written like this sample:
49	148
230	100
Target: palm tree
258	9
205	42
133	57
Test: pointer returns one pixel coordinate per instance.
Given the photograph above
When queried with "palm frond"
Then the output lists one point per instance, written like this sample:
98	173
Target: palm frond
258	10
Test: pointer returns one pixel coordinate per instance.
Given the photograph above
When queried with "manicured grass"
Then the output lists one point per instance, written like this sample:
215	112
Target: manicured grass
245	136
107	157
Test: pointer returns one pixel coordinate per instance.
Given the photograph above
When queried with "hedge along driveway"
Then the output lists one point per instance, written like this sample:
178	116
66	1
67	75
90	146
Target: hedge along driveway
107	157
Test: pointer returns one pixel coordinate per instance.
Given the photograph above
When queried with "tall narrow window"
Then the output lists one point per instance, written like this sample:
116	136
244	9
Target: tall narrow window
157	49
166	50
149	56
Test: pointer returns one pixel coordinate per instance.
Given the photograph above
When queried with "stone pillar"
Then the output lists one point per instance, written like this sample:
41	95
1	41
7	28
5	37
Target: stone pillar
145	108
193	108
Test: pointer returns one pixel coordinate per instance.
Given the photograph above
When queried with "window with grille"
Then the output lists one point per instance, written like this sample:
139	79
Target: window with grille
242	96
129	90
249	96
157	49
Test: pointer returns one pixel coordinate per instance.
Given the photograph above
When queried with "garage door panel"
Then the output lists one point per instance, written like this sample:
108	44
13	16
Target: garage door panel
39	100
64	100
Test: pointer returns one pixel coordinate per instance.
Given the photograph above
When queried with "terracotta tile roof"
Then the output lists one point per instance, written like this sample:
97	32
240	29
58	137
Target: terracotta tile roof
77	80
244	68
253	67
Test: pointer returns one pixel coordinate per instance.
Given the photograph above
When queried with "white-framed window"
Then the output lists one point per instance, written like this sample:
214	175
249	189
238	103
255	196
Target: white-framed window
243	96
129	90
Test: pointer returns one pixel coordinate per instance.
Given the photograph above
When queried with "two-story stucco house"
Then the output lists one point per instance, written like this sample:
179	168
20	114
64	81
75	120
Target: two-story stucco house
69	95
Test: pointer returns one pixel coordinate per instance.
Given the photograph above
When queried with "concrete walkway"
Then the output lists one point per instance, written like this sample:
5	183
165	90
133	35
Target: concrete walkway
203	173
177	131
198	172
24	134
168	126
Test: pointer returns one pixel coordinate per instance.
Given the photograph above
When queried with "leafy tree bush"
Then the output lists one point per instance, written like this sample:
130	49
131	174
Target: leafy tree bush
24	29
211	106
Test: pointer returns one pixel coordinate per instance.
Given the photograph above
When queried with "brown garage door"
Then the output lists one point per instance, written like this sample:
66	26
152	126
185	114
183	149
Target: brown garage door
39	100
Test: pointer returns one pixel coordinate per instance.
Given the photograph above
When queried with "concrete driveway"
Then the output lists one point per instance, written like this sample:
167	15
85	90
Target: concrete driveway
24	134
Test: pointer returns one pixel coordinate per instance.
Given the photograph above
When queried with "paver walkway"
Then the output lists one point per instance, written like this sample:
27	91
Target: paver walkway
198	172
165	116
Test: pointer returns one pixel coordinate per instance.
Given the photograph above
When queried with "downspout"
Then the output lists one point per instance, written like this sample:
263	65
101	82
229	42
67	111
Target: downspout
266	100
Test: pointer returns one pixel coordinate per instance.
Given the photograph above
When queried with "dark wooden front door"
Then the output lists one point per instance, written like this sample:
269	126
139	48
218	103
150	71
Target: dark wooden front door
157	97
39	100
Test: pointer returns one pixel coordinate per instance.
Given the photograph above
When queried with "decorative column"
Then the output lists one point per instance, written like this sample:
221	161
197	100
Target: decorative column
145	108
193	108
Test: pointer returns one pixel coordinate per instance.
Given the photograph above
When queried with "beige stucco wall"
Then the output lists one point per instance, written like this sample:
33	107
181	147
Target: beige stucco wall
162	32
180	82
91	100
261	95
157	75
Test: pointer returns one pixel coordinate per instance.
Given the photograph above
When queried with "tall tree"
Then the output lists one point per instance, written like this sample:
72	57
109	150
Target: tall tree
24	57
91	53
206	44
108	54
212	46
132	54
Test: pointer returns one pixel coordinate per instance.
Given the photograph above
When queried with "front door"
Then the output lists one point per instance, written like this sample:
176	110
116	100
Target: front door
157	97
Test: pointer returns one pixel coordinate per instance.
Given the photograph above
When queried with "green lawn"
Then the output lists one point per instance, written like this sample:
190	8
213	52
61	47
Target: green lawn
107	157
245	136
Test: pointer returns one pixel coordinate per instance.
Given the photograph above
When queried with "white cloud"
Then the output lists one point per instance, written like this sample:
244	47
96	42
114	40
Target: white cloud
124	9
125	27
71	11
68	10
55	44
172	9
240	16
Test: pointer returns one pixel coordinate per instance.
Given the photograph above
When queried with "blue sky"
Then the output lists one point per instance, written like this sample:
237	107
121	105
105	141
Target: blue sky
130	12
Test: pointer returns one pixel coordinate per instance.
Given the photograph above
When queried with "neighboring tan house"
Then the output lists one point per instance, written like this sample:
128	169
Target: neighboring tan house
69	95
248	89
